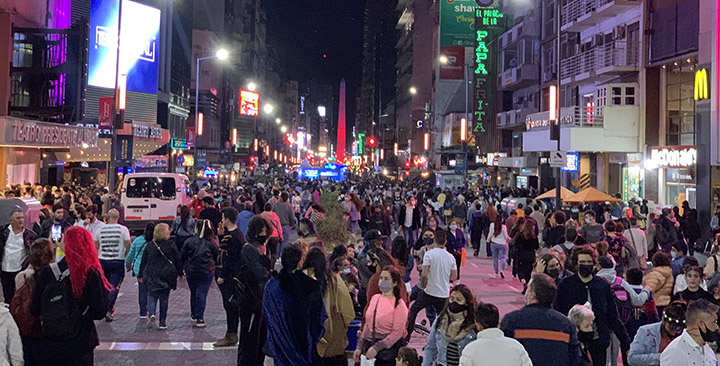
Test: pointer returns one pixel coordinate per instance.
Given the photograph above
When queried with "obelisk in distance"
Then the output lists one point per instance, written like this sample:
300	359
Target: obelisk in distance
341	124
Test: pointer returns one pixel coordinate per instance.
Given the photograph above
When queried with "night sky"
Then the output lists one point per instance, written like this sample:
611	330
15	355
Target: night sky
319	39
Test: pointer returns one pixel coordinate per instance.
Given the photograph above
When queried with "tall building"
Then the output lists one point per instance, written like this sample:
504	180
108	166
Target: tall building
378	68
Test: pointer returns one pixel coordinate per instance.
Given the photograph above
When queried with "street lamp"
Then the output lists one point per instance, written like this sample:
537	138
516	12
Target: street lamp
443	59
268	108
283	129
278	120
413	90
252	86
221	54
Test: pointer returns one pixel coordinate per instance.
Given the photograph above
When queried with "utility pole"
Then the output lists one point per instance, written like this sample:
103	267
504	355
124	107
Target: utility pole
558	171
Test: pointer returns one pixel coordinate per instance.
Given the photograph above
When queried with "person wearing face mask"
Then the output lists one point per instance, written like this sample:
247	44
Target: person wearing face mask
583	319
692	346
253	273
378	259
452	330
456	243
583	288
652	339
678	251
551	266
591	230
384	322
548	336
409	221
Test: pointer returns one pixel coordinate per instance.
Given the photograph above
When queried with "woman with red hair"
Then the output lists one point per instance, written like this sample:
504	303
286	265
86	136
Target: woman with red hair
81	278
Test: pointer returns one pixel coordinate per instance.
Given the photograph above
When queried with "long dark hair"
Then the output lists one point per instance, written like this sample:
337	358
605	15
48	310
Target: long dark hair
498	225
184	217
315	259
384	259
399	250
395	275
470	302
207	233
528	230
149	232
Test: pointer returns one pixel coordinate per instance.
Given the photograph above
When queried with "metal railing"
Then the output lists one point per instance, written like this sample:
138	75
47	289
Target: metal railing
578	8
616	53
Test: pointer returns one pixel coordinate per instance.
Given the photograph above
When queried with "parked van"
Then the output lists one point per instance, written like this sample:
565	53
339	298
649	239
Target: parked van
153	197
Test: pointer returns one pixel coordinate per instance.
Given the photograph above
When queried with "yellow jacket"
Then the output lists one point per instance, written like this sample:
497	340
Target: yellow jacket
661	281
339	307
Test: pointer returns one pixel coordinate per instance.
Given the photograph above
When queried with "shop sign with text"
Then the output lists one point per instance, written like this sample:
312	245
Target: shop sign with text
42	134
673	156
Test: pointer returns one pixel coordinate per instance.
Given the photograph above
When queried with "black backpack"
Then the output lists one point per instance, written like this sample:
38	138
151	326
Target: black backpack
59	315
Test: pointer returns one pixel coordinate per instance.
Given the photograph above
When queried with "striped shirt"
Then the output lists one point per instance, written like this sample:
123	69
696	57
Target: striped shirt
112	239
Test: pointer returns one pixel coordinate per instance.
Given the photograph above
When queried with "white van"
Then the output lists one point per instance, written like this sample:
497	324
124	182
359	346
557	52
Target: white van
153	197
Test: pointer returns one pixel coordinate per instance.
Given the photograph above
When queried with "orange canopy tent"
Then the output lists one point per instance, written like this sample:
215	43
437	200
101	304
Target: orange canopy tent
564	193
591	194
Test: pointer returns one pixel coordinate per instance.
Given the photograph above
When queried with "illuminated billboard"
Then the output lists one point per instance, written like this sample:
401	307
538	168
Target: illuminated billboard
249	103
139	45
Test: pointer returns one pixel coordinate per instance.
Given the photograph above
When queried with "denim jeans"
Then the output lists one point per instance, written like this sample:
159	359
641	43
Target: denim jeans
286	239
142	298
499	255
199	284
115	273
411	236
162	297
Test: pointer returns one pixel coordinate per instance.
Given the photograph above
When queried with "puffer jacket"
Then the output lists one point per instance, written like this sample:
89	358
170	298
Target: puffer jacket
660	280
10	343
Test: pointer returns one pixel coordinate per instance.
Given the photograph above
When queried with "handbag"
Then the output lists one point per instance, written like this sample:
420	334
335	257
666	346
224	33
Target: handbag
166	258
387	354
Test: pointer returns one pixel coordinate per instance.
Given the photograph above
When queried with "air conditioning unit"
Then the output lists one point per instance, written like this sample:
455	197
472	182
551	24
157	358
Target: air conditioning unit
548	75
620	32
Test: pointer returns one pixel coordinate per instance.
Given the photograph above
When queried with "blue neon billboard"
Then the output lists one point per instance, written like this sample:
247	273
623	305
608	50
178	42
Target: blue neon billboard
338	173
139	45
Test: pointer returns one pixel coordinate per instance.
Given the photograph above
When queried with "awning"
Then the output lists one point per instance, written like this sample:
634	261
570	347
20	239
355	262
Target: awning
564	194
591	194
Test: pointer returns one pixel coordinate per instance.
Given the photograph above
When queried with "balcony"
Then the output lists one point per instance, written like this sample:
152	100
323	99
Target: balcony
579	15
513	118
615	129
601	62
518	77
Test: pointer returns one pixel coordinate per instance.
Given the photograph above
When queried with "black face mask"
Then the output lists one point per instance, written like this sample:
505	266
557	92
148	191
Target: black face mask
261	239
710	336
456	308
428	241
585	270
553	272
372	268
585	337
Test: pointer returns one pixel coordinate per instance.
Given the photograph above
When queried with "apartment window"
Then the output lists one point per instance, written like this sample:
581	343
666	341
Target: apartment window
680	105
549	17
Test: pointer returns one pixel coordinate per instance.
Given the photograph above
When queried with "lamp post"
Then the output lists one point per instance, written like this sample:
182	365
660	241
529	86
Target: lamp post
222	54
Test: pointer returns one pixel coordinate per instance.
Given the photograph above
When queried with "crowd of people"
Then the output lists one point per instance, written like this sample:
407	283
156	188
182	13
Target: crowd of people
602	284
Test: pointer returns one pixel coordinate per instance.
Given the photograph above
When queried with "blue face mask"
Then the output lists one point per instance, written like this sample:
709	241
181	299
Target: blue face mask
346	270
673	255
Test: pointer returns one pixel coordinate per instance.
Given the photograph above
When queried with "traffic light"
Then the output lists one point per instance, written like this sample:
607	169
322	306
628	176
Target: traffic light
407	164
252	160
372	141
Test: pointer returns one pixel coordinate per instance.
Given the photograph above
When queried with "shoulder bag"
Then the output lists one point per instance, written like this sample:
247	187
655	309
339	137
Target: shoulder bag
172	265
387	354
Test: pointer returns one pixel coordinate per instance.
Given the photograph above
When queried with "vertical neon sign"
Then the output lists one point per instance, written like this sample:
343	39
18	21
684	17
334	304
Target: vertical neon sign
486	20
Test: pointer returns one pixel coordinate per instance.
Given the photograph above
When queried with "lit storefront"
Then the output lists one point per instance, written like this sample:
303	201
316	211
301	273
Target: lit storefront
633	175
28	149
676	173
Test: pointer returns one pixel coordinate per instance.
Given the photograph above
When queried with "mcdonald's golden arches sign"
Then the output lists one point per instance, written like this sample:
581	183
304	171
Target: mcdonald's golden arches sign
701	85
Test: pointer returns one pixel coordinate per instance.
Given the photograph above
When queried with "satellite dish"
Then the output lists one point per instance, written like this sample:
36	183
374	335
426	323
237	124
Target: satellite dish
484	2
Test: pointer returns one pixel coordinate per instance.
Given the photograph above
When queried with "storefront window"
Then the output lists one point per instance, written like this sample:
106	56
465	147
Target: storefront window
680	104
680	186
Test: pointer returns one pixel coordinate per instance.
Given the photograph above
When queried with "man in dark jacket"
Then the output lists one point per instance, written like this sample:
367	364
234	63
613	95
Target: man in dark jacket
15	240
228	267
549	337
476	226
582	288
254	273
666	233
409	221
210	212
293	331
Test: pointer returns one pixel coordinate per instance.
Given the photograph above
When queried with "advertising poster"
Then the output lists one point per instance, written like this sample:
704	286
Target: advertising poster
139	45
457	23
124	152
249	103
105	113
453	69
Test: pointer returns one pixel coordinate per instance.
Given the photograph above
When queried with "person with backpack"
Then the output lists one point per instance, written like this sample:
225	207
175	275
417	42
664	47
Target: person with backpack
666	232
40	254
79	291
159	271
625	298
636	236
622	252
198	259
133	261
